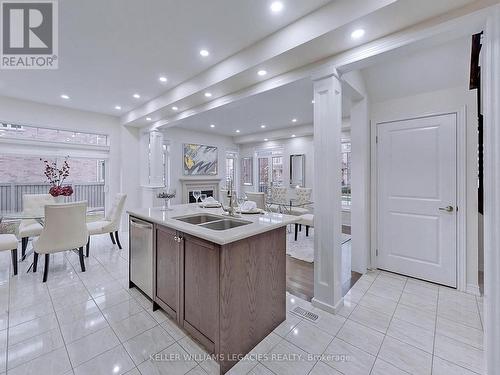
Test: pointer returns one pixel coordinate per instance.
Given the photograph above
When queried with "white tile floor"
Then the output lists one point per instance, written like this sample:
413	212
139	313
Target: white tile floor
90	323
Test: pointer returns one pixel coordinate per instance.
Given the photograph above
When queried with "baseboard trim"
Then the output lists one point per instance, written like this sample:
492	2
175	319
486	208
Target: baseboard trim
327	307
473	289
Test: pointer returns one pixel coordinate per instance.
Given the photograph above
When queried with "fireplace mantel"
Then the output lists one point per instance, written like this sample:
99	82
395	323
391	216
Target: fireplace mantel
197	183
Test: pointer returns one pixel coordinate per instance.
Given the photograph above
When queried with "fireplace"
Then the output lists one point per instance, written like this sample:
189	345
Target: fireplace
209	193
210	187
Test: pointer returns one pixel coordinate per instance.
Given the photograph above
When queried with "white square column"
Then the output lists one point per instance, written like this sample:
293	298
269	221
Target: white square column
327	185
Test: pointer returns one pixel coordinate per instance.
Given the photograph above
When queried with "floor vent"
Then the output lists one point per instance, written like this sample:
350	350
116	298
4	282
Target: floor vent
305	314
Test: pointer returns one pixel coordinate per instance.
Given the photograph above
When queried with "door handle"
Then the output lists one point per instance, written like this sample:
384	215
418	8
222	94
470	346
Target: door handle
447	208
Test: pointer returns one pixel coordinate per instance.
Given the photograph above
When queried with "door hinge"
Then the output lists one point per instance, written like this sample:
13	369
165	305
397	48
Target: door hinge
376	252
376	139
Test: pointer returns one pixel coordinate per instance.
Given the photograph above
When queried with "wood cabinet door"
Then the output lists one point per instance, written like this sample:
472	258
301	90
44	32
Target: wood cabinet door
201	287
167	268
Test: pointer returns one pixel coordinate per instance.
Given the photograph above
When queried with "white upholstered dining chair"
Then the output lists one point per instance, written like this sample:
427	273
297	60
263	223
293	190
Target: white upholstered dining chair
110	224
303	198
33	204
65	228
258	198
8	242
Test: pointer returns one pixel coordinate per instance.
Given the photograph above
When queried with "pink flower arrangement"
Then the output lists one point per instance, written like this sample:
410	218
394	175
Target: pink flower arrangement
56	176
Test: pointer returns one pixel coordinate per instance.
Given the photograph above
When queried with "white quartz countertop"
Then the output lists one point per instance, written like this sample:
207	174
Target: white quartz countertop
259	223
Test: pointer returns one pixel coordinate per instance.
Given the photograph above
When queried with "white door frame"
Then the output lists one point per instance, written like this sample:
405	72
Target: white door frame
461	191
491	81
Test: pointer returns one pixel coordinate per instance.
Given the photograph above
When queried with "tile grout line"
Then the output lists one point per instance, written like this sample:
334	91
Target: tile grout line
8	323
385	335
120	343
58	323
58	326
342	326
110	326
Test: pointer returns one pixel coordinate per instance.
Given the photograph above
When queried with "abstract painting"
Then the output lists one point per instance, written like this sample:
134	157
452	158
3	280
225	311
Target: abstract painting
199	160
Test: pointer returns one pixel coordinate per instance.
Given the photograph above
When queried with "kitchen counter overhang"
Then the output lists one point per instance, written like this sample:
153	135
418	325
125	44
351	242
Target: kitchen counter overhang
259	223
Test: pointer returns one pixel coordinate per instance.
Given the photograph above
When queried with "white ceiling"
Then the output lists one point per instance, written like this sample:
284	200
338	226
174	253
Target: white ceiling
440	67
336	20
424	69
109	50
275	108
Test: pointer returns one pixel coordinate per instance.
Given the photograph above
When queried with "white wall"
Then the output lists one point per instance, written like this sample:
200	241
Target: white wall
291	146
121	139
360	174
445	101
178	136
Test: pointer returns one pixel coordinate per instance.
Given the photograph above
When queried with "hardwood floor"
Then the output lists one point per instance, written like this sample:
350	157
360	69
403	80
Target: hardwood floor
300	276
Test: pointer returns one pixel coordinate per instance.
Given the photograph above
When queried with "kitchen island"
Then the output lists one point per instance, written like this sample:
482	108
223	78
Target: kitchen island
222	279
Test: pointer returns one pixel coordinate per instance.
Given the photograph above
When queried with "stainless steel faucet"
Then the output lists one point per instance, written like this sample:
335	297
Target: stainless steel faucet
231	210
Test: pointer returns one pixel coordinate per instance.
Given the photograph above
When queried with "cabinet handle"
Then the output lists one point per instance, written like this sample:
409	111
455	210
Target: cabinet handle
179	239
176	238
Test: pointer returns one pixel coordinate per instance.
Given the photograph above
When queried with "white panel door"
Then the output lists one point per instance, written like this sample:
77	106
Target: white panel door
417	195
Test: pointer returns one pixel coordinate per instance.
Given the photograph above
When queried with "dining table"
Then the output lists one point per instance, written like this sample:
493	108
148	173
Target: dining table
39	216
286	205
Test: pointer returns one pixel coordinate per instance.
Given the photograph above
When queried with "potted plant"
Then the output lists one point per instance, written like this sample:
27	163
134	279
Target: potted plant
56	177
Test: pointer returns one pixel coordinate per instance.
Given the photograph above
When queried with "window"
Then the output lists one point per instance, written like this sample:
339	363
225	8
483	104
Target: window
247	171
277	170
346	172
263	174
8	130
231	167
23	174
270	168
101	170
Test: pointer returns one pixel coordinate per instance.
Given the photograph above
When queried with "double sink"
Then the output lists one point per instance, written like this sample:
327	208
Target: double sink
213	222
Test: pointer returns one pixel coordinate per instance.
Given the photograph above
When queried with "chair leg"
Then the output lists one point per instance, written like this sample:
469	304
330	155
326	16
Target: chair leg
307	230
24	245
82	263
46	268
14	260
300	227
118	240
112	238
35	261
87	249
296	230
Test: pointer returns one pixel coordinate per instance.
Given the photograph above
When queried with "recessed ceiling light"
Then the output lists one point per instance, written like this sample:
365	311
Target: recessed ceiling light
265	139
261	72
263	126
208	94
137	96
163	79
174	108
294	120
356	34
118	107
276	6
212	125
148	118
204	52
293	135
237	131
64	96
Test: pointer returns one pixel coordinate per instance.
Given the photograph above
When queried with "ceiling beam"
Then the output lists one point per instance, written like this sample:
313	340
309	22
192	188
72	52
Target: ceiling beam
320	22
464	20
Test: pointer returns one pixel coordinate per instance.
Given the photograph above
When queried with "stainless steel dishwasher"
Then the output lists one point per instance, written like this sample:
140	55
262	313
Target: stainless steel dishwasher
141	255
